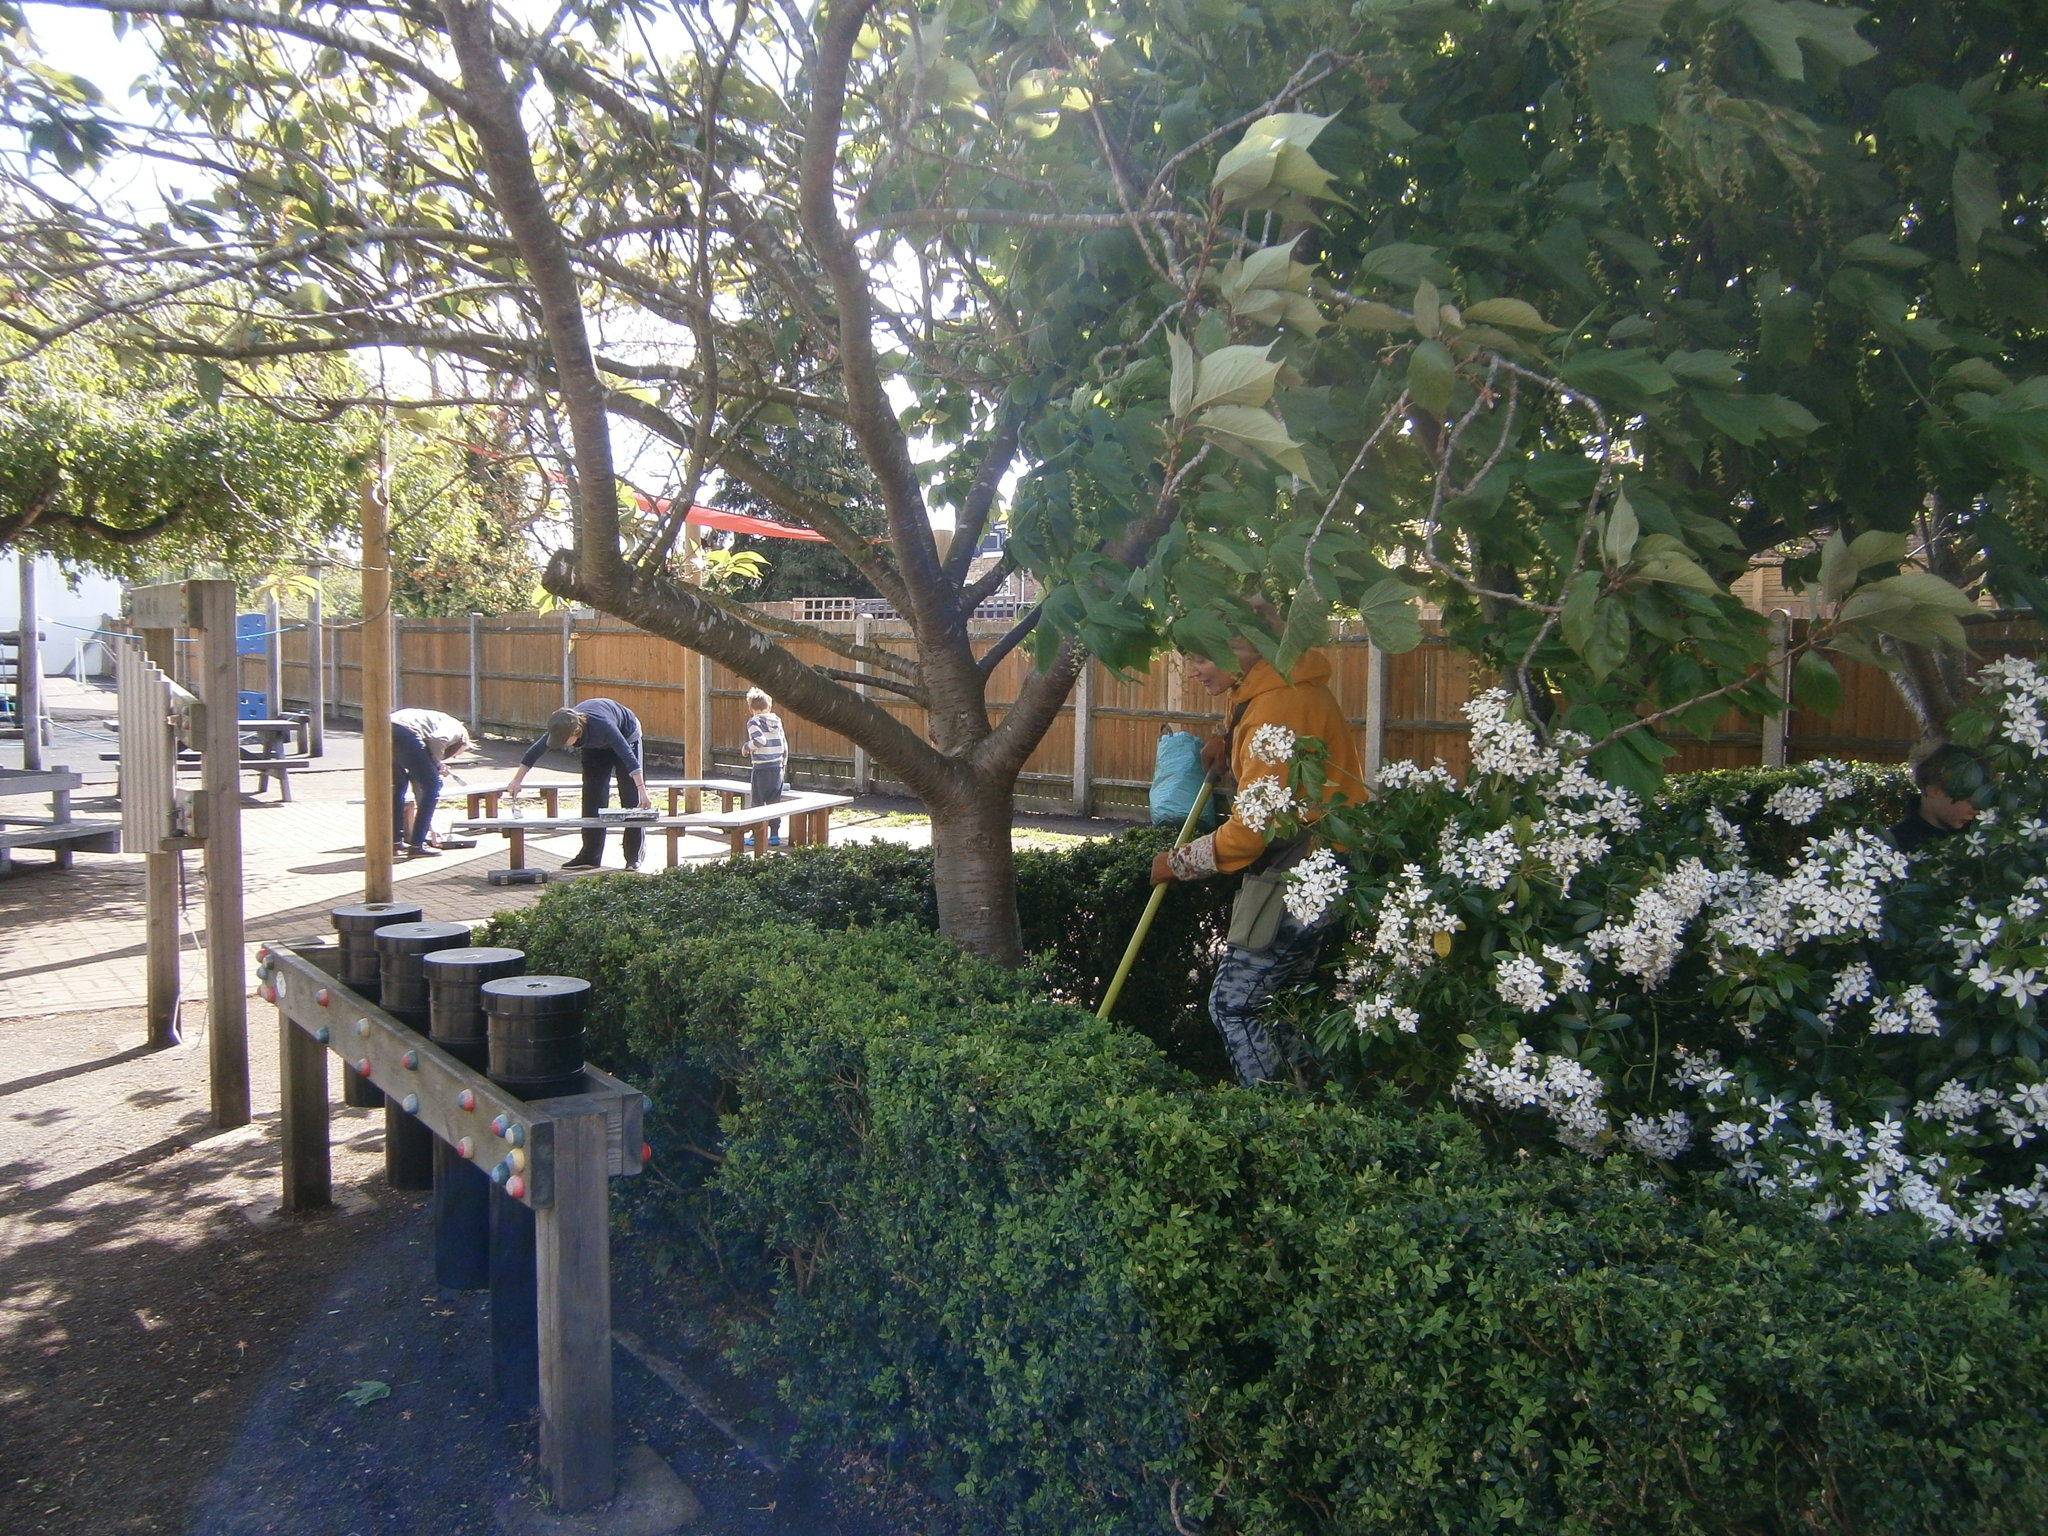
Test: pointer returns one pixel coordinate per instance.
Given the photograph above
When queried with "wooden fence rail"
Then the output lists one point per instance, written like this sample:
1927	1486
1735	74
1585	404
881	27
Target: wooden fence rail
503	674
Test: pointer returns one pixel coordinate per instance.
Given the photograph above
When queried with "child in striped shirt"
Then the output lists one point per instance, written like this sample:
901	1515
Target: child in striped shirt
766	750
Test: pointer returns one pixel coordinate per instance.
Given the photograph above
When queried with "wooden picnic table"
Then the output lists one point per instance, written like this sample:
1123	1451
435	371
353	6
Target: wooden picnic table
684	795
60	832
809	817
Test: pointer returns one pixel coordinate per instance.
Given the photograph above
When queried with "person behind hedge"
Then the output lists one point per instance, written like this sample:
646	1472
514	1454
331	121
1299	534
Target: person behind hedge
1249	977
768	752
1947	777
607	734
421	741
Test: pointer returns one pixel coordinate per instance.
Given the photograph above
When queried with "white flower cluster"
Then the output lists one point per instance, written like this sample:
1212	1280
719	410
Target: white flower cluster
1411	921
1261	800
1273	745
1404	774
1649	944
1955	1104
1502	745
1796	803
2023	705
1524	983
1725	836
1833	891
1381	1005
1530	1079
1314	883
1911	1012
1663	1137
1488	862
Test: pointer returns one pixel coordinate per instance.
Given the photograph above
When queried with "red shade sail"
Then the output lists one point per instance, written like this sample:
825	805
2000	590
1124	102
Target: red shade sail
739	522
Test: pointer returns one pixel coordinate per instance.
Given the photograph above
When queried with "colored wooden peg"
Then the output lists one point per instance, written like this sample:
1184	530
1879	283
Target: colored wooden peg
410	1061
410	1104
498	1124
362	1026
516	1187
323	1034
363	1068
646	1153
466	1147
465	1100
322	998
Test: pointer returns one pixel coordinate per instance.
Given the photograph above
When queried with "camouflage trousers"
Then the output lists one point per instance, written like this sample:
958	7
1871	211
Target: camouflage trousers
1247	980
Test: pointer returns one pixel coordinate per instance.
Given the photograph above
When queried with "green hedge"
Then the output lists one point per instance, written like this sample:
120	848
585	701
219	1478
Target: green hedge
994	1237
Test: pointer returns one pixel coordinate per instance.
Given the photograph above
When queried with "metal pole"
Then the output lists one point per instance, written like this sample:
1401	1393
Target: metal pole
1375	712
1187	830
376	681
227	983
29	663
1084	737
568	659
274	655
160	875
316	671
1776	727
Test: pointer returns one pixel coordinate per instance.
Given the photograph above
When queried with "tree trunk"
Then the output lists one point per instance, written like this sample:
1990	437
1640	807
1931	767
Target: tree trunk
974	869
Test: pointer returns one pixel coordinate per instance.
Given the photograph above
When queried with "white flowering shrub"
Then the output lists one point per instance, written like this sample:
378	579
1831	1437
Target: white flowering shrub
1745	977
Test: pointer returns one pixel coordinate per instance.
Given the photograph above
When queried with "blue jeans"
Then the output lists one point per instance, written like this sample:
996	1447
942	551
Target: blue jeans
413	764
1245	983
600	767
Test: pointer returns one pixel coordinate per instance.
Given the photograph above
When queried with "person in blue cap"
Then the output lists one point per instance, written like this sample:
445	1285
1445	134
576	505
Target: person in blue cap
607	734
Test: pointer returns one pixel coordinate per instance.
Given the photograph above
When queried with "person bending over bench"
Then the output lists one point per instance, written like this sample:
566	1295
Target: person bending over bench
607	734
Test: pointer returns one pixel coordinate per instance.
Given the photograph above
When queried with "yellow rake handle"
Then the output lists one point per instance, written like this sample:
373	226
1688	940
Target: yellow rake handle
1187	830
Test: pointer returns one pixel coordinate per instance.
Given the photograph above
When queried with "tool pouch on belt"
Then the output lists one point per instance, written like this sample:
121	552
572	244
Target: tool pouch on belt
1261	899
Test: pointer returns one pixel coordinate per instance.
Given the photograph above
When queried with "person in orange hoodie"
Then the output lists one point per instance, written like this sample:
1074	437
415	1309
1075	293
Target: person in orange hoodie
1304	705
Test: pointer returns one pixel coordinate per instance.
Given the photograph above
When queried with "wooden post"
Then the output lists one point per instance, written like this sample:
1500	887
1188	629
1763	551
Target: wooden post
397	662
1776	727
273	655
476	700
160	885
573	1269
1375	711
213	608
568	658
376	686
863	766
304	1109
316	669
1084	737
29	666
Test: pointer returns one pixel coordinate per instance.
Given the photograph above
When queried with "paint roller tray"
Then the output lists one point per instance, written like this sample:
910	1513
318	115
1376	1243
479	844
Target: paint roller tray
458	842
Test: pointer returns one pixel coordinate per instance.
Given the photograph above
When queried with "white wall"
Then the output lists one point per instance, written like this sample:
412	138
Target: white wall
63	613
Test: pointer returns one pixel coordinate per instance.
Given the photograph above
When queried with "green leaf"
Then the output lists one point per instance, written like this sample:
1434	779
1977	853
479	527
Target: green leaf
1715	369
1388	610
1837	570
1677	571
1431	374
1876	251
1621	376
1607	635
1877	546
210	379
1250	433
1183	388
1256	163
1816	684
1745	418
1575	623
1618	540
1780	26
1514	314
1308	626
1236	376
1978	209
1428	308
364	1393
1374	317
1976	373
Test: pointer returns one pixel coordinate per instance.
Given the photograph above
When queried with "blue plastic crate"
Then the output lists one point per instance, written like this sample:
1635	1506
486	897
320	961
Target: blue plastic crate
252	706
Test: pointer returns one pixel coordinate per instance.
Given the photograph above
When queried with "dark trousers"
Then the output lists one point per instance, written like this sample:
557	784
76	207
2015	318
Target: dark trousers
413	765
766	789
600	766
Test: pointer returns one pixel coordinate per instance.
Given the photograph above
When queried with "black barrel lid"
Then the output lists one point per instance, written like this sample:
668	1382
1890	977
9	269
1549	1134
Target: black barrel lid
369	916
413	938
534	994
452	967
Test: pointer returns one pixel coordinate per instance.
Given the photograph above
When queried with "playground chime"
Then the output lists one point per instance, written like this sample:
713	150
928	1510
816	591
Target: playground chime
489	1103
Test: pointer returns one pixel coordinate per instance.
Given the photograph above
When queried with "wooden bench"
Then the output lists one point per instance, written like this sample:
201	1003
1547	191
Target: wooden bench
684	795
265	769
59	831
809	818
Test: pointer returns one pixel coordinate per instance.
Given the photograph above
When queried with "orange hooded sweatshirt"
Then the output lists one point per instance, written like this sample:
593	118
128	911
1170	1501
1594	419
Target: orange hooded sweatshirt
1306	707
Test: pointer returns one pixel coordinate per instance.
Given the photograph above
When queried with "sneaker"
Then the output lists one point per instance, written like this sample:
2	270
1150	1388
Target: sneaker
774	842
579	864
423	853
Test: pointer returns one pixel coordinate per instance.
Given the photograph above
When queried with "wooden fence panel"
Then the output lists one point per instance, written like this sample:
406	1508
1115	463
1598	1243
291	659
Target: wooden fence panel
519	663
